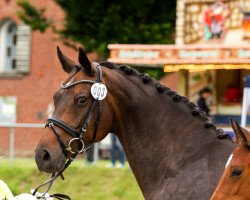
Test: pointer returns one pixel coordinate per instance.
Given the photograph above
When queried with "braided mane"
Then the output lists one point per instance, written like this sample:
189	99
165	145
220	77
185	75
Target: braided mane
146	79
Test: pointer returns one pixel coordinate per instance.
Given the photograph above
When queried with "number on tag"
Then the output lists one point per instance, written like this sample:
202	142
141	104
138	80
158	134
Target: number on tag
99	91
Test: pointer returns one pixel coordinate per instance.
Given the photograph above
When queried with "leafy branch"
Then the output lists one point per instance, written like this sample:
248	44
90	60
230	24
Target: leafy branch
33	16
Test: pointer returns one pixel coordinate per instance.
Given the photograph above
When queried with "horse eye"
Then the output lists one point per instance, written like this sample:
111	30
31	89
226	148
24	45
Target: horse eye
81	100
236	172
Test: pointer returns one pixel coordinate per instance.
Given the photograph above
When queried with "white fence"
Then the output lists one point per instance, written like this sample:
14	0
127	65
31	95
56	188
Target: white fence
12	127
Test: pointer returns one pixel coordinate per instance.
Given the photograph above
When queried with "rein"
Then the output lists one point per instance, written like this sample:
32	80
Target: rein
55	123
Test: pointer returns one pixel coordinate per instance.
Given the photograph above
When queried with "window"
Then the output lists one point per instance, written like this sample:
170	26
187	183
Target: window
8	33
8	111
14	47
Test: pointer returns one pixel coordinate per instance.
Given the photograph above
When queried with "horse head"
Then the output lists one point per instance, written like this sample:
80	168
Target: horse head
77	120
235	181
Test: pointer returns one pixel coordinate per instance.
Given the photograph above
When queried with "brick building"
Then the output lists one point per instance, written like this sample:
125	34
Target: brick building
29	72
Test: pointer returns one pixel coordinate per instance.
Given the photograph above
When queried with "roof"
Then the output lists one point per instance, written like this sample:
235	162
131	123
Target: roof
175	57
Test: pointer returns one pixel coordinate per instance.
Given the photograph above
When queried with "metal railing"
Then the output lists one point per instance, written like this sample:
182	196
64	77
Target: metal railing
12	127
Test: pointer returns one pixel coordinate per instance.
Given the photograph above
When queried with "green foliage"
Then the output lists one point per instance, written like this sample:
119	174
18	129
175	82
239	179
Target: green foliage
82	182
96	24
33	16
103	22
156	73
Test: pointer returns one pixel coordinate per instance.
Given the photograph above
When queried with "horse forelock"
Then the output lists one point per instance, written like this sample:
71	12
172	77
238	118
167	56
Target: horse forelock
146	79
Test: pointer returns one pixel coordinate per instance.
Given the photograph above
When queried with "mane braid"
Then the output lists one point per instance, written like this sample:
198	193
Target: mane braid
146	79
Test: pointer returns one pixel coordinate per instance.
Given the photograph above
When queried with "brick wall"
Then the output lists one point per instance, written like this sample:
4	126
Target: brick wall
33	91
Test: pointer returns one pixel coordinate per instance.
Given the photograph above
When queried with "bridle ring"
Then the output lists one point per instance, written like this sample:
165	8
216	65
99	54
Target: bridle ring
70	149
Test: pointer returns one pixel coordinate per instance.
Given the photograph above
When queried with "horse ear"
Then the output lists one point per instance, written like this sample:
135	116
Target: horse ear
84	61
242	135
66	63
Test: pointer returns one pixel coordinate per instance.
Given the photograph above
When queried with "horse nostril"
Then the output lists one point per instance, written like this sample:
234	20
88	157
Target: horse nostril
45	155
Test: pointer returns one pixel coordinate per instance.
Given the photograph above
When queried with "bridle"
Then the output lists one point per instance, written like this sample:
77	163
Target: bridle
77	135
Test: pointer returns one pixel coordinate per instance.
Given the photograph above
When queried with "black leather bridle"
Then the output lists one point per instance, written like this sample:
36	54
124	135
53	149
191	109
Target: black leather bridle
77	135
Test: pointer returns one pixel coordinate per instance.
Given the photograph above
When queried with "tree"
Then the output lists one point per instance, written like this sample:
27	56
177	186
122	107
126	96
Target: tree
33	16
95	24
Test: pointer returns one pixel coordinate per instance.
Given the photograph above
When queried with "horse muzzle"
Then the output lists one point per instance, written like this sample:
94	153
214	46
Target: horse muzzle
48	162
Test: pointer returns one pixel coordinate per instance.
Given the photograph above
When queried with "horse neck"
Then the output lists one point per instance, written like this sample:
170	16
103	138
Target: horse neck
156	132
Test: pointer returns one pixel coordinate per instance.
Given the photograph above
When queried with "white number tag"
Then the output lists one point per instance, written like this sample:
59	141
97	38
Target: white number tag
99	91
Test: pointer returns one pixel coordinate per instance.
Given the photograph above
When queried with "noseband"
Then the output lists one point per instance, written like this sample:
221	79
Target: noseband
77	135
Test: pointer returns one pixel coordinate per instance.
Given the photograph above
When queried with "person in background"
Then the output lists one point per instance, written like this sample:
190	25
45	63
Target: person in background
204	95
116	145
90	155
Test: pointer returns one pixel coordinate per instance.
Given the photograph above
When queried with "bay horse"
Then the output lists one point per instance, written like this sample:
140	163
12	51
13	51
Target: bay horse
235	181
172	147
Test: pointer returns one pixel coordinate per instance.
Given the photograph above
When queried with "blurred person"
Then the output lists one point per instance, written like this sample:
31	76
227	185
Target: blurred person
204	96
116	145
90	155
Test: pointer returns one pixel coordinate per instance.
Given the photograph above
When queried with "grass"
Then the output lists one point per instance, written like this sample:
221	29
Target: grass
83	182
